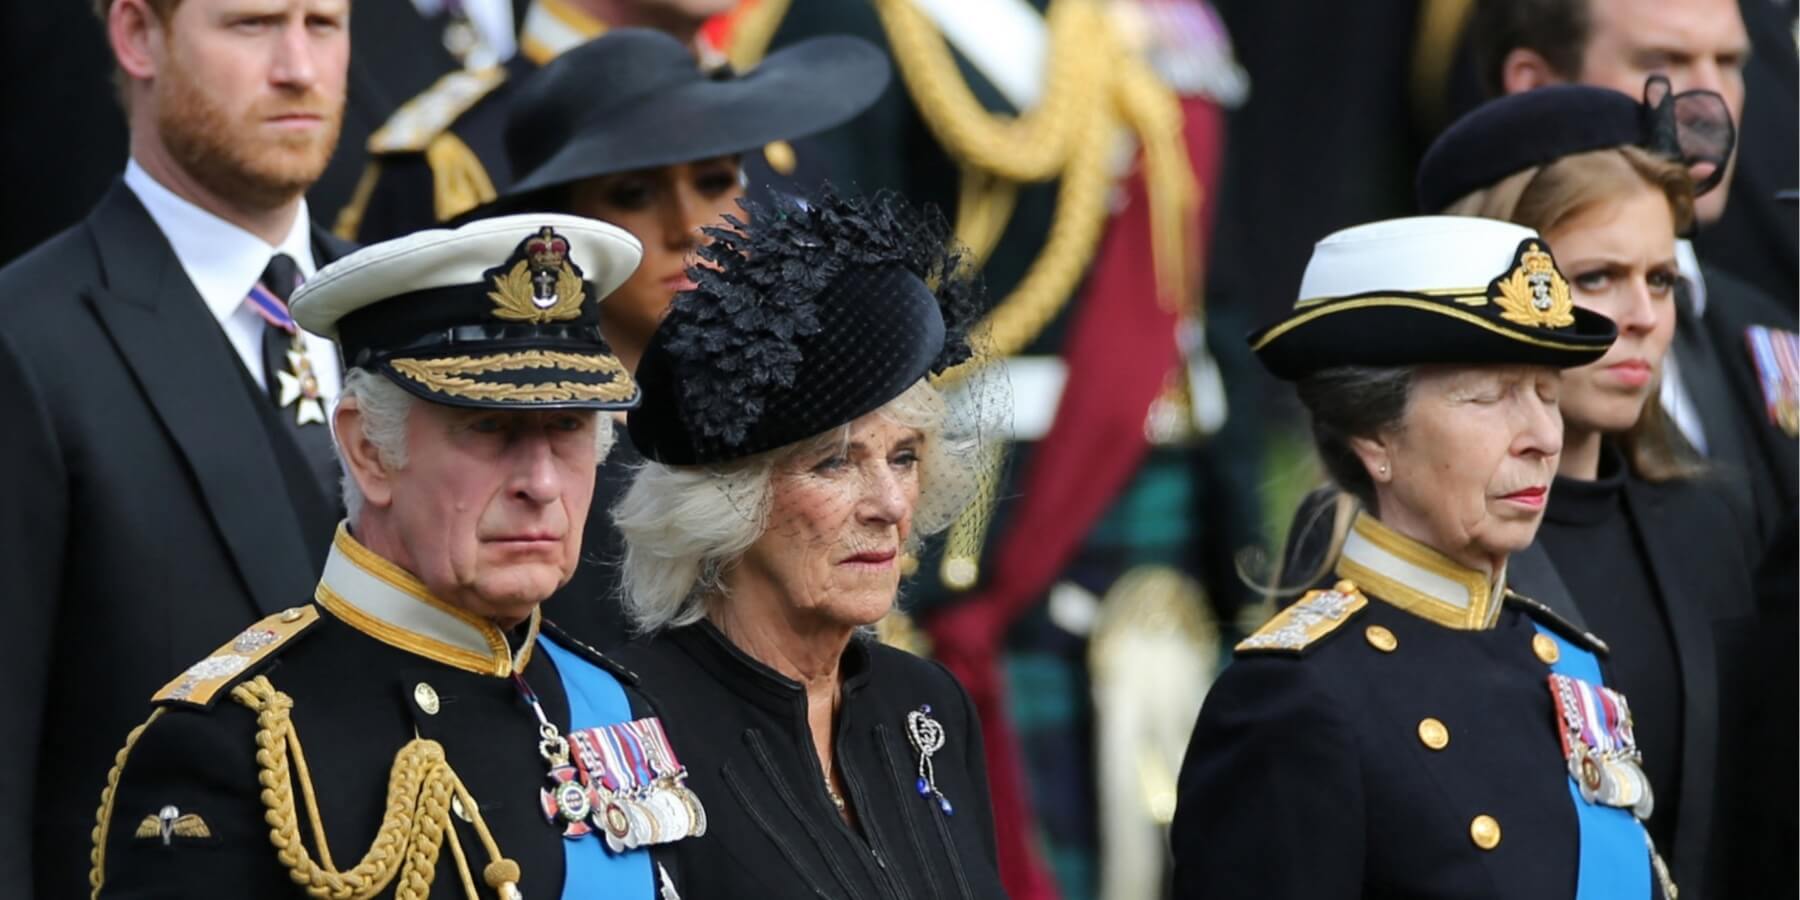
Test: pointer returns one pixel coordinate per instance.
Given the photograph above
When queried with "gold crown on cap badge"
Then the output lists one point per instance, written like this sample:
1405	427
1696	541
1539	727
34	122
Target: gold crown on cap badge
541	285
1533	292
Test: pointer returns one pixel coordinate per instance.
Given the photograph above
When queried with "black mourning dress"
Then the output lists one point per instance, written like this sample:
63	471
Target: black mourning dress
773	831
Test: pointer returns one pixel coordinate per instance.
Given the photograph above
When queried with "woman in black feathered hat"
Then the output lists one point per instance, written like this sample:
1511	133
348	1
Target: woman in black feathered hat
628	129
1606	180
799	446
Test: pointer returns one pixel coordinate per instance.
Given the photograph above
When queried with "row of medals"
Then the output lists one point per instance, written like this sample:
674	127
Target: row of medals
1612	777
635	815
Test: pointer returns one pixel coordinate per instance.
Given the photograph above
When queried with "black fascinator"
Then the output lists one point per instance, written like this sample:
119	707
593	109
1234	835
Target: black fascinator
806	314
1514	133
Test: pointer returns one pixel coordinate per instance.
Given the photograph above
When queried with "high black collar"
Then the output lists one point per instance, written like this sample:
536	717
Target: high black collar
753	680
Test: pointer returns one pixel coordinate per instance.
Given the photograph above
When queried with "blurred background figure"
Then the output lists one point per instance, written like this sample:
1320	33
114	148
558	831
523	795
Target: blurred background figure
1079	153
443	152
172	472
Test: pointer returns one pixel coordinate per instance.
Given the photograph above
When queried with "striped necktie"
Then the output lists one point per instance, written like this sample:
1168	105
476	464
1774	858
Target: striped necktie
287	371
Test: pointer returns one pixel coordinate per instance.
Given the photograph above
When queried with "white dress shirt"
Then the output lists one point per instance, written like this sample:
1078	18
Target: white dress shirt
1676	401
224	262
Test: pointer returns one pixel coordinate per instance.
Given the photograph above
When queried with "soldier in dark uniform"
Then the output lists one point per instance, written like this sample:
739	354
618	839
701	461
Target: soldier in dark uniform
419	715
1413	728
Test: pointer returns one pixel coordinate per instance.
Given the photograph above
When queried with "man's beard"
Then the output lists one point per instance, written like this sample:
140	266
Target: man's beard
237	160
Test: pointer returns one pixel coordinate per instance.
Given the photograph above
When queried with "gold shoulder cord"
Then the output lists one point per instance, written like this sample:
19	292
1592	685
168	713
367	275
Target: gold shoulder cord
1093	86
421	789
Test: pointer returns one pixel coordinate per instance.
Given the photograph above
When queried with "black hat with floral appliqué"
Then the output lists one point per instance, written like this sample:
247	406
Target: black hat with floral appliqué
807	313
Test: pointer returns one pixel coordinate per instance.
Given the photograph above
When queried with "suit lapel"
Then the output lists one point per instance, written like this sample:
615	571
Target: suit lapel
192	379
1691	625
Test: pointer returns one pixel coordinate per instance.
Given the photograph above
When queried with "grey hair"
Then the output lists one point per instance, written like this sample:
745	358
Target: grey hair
384	406
684	526
1347	402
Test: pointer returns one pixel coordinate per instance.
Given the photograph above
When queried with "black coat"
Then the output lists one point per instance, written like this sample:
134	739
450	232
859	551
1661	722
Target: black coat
356	703
773	832
1729	396
1308	776
1701	565
151	507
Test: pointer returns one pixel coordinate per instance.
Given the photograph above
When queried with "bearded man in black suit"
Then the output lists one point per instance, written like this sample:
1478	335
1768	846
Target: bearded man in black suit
167	470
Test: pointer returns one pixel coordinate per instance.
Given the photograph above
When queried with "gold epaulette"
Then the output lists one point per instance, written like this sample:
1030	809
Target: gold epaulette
420	120
202	682
1308	621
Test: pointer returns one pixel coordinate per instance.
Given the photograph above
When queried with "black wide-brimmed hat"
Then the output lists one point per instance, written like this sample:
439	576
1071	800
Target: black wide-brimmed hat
501	313
634	98
1520	131
807	315
1455	290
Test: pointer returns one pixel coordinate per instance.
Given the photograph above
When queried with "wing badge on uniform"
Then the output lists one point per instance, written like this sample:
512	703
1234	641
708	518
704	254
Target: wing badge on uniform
169	823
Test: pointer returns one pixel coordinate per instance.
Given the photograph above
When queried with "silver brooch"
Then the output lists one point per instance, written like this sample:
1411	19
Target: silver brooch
927	738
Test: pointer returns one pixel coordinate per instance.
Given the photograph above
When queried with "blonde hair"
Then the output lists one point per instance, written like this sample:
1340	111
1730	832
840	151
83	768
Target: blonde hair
1546	196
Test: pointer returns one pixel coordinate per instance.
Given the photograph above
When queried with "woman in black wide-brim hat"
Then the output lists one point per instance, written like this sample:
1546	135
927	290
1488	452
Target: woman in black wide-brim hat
629	130
799	446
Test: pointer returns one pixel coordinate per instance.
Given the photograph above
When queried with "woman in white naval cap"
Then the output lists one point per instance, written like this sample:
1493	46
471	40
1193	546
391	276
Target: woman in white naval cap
416	728
1412	728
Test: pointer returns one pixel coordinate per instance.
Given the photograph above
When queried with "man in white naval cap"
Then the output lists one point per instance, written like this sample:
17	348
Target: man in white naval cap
452	737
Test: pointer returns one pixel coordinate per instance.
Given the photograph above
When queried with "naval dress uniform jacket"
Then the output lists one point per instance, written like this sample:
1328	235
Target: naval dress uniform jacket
773	832
1403	746
373	664
150	504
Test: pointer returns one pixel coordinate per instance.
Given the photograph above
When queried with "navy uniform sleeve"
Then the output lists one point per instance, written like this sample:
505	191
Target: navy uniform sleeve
33	524
1271	801
202	764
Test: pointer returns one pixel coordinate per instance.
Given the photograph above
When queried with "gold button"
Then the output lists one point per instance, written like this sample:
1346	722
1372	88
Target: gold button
1433	734
781	157
426	698
1485	832
1545	648
1380	638
1345	587
292	614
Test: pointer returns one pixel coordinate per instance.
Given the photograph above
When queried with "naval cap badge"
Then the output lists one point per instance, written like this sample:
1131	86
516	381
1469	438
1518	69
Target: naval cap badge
538	282
1533	292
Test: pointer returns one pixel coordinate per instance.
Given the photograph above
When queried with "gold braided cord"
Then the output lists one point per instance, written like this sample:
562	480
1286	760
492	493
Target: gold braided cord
1155	115
1094	87
103	818
752	30
984	203
413	828
1031	147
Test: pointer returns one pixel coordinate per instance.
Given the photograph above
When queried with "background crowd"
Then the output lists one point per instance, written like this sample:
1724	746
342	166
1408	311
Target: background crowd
1141	183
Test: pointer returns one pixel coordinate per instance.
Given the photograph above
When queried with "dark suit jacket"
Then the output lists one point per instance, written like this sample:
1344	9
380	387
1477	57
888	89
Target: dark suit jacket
151	507
1701	564
1771	455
